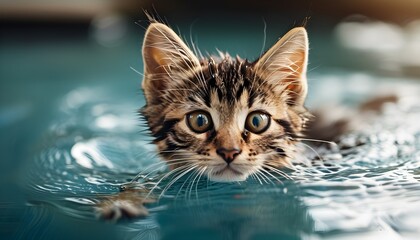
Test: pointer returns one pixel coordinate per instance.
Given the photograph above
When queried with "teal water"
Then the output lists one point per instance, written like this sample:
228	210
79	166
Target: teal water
366	189
71	134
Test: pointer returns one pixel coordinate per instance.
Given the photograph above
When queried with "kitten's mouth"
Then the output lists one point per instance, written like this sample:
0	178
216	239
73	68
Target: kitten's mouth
229	169
227	174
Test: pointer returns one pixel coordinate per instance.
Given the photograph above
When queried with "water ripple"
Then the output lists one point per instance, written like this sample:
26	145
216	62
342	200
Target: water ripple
367	187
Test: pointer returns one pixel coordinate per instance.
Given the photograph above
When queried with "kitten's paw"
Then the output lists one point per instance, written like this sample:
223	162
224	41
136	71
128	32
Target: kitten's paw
127	204
117	209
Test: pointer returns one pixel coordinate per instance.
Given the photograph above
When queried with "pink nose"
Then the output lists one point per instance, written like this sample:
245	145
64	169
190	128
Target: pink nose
228	154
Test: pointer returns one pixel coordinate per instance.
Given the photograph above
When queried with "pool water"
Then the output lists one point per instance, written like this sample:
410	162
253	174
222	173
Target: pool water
70	134
366	186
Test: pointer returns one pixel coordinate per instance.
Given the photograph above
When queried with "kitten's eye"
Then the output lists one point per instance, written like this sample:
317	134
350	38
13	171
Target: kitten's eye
199	121
257	122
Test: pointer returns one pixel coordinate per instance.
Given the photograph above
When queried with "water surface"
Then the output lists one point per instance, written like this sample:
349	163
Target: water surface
366	186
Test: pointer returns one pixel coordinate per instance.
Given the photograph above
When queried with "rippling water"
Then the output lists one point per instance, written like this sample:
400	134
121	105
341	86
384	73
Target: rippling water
366	186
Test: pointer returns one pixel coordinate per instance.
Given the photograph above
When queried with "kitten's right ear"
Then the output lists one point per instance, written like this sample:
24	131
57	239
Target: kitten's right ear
284	65
164	53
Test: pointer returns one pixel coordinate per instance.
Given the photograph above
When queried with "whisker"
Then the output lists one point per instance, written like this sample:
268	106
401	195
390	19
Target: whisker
184	161
162	163
165	176
276	178
192	183
180	189
256	176
279	172
317	140
177	178
311	148
263	177
203	170
136	71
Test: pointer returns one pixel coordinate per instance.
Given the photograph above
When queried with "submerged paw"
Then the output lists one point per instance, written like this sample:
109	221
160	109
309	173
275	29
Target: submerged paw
127	204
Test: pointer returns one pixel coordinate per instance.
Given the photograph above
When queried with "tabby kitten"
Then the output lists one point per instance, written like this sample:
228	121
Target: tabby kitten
225	118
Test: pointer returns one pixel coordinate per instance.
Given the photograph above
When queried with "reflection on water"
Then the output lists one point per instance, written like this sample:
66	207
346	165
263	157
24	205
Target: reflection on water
367	187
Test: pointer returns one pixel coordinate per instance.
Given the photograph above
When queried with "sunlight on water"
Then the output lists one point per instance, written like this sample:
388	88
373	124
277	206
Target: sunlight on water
366	186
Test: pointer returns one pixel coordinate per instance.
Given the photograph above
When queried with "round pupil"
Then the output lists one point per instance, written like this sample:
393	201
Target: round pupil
256	121
201	120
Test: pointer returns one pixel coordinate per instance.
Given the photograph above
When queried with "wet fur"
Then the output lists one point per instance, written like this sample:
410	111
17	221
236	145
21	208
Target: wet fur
176	83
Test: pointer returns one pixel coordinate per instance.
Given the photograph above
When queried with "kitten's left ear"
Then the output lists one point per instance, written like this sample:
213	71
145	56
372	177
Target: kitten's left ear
284	65
164	53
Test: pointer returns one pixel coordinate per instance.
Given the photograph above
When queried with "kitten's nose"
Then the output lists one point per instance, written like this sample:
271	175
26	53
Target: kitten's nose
228	154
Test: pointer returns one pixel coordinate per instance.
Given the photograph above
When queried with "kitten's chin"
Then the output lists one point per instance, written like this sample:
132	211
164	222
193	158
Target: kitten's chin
227	174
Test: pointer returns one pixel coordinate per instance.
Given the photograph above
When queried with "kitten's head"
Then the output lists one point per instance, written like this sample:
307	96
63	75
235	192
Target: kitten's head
223	117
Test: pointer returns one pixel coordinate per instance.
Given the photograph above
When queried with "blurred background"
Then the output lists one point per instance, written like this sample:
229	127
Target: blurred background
50	48
377	35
